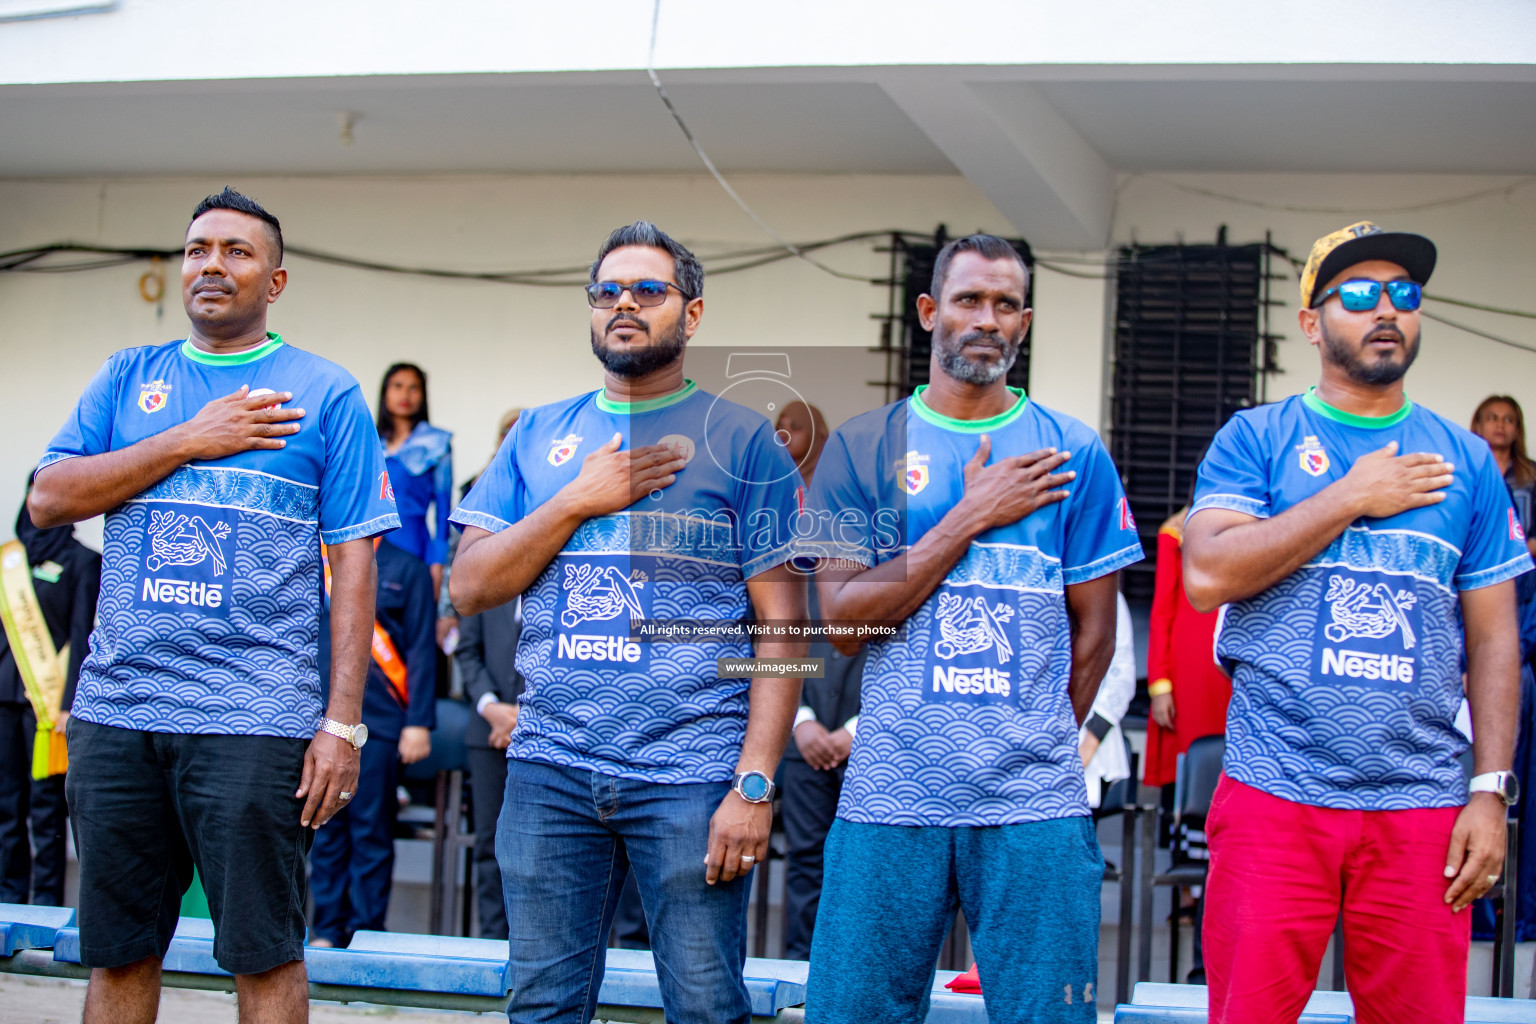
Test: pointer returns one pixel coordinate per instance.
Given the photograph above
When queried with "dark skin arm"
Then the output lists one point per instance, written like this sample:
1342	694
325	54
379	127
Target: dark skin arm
1476	852
492	569
1229	556
739	828
331	763
1091	609
92	485
995	495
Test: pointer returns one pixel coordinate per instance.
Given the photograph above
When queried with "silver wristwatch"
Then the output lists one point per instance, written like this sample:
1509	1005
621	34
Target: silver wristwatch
356	735
1506	785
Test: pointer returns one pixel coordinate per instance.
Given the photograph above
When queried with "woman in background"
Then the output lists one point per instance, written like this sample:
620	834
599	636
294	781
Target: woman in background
1500	421
419	458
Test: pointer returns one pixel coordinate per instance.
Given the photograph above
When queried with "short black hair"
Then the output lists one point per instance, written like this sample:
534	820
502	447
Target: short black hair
986	246
385	421
685	265
229	199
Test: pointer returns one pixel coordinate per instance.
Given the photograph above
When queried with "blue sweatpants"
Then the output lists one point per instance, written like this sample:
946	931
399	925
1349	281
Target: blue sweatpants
1030	894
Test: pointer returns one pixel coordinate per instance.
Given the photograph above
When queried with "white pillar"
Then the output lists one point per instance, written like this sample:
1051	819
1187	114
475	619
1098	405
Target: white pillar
1069	364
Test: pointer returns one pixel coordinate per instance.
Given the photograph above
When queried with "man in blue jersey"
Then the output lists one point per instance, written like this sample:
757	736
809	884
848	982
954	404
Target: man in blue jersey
645	500
1365	549
946	513
200	735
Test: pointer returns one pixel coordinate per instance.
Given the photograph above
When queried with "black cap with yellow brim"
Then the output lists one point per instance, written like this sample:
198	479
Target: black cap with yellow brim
1358	243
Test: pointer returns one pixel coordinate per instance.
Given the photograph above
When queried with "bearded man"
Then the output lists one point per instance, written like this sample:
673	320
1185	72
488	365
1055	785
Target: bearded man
647	499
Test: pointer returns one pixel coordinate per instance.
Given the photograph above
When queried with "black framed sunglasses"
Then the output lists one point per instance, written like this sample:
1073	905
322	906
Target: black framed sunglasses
1362	294
606	294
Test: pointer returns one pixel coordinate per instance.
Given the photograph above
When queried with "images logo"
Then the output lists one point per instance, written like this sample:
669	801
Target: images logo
562	449
152	396
1313	459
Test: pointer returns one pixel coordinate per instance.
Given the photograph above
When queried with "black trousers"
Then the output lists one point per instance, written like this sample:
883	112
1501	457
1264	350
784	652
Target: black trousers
24	801
808	807
487	789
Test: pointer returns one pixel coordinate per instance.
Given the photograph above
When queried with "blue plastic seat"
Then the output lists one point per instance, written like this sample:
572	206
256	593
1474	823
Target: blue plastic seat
27	927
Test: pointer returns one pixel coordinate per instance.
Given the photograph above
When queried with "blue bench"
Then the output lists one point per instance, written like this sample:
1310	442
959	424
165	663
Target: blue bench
1154	1002
27	927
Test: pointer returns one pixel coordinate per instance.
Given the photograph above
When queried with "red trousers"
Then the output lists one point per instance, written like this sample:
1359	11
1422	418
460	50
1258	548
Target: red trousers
1280	871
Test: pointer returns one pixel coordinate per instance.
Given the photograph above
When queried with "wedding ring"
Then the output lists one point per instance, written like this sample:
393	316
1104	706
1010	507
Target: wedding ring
344	795
1493	879
747	858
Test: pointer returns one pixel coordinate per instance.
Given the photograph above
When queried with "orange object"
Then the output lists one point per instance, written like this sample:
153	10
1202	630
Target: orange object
384	653
1181	652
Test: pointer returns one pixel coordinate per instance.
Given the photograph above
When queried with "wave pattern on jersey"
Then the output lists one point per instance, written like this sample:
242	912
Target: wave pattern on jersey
675	722
915	762
170	670
1320	740
233	488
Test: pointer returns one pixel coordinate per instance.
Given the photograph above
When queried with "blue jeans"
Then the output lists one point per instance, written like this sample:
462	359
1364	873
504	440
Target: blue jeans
1030	894
565	841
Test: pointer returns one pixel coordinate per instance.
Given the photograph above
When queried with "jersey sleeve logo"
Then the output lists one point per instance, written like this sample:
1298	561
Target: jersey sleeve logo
152	395
1127	521
1516	531
386	489
562	449
1314	459
914	472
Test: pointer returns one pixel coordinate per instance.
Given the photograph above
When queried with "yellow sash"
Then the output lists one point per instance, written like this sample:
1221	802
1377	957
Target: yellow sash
42	670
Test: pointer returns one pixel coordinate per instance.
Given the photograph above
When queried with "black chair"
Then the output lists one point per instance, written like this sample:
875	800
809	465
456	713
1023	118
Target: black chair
1120	798
445	767
1199	771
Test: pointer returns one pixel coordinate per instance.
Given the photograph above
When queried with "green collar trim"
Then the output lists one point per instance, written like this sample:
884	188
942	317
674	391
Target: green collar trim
1350	419
969	426
272	344
648	405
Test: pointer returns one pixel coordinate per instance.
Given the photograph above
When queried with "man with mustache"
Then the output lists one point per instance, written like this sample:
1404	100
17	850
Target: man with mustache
990	529
201	734
1366	549
647	499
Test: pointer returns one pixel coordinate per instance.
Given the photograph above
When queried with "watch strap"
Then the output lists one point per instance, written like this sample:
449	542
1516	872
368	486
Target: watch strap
340	731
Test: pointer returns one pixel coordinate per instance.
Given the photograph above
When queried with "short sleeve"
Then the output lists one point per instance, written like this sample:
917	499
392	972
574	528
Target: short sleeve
839	520
1235	472
1100	530
497	500
766	503
88	431
356	500
1494	550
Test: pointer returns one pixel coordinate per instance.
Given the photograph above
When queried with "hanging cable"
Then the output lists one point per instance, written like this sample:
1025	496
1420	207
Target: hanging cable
1346	211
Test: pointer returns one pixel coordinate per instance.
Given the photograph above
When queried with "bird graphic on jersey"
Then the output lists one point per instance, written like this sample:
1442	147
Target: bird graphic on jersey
184	540
1354	615
969	627
597	593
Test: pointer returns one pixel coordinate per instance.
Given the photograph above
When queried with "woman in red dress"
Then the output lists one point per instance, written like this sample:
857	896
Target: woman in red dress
1189	691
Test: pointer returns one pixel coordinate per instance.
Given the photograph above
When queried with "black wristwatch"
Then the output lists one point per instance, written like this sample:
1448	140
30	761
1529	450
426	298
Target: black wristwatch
753	787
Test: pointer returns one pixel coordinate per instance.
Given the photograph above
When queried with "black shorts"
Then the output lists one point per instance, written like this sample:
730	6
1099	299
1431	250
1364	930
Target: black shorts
148	806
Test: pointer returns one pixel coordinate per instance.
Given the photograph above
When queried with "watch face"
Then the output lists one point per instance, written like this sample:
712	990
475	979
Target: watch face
1511	789
754	786
359	735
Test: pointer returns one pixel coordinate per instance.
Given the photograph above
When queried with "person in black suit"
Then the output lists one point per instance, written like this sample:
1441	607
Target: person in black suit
66	577
486	652
817	753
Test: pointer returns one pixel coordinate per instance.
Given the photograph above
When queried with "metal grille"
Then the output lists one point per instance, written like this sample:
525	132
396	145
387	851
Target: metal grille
1188	325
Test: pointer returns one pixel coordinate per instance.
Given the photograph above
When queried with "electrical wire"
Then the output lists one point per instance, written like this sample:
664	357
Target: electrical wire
792	249
1426	314
1342	210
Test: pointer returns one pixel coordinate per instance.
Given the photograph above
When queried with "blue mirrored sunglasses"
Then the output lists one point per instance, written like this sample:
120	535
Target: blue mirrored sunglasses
1363	294
605	294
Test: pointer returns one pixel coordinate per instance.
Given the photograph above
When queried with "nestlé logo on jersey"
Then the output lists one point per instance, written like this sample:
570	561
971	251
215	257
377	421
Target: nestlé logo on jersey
188	564
972	659
598	600
1368	631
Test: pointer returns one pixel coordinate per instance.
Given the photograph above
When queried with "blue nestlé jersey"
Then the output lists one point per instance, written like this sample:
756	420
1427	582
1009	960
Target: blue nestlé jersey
210	584
1346	675
966	719
597	699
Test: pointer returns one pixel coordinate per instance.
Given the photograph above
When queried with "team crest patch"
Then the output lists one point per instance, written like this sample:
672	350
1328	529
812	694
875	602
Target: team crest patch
562	449
1127	521
1516	531
152	396
1313	459
914	472
684	445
